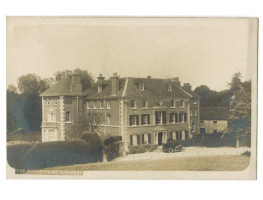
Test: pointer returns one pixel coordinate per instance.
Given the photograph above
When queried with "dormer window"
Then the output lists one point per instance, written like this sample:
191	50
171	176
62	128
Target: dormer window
141	86
99	88
169	87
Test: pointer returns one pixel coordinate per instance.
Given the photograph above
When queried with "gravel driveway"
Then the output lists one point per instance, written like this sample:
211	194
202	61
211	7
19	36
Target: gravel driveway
189	152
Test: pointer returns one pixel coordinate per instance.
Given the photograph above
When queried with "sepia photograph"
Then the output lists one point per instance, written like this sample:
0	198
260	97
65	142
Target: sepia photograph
131	97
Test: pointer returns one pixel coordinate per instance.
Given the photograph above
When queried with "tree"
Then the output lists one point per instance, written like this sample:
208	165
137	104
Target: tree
207	95
32	83
12	88
85	77
89	122
239	122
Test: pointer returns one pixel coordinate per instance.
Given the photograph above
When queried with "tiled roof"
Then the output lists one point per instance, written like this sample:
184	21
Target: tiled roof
61	88
153	89
214	113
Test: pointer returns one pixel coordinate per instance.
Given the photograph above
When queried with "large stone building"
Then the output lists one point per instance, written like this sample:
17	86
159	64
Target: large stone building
141	110
213	119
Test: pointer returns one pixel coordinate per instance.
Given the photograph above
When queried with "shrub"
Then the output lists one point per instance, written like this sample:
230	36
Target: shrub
112	139
50	154
142	148
228	139
114	150
246	153
92	137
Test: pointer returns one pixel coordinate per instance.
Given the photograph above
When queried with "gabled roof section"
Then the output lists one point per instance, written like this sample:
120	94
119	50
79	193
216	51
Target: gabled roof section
214	113
61	88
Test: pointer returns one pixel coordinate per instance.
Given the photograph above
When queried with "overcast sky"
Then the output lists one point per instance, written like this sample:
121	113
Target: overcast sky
198	51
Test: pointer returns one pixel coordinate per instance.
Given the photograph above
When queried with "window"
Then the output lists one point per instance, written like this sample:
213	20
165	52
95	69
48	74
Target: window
186	135
133	104
202	130
214	122
108	105
56	102
215	131
182	103
99	88
169	87
195	101
108	119
193	127
101	105
149	138
145	119
172	103
131	138
134	120
95	105
191	112
67	116
47	101
144	103
195	112
201	121
185	117
181	117
177	135
160	117
143	139
138	139
51	117
88	104
173	117
141	86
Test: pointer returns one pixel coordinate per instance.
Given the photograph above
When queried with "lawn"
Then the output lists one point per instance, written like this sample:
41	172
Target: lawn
202	163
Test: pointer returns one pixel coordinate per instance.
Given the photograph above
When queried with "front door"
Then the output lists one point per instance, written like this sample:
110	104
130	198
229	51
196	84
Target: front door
160	138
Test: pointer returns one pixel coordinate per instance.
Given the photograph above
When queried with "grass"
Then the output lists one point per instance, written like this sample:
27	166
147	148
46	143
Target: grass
205	163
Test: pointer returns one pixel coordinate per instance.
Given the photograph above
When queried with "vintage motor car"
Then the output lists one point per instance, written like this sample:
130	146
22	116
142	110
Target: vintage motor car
172	146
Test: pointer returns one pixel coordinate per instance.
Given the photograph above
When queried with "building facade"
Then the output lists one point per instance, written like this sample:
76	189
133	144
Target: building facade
213	119
141	110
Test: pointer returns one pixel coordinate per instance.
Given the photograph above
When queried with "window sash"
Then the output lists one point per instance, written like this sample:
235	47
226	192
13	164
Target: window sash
133	104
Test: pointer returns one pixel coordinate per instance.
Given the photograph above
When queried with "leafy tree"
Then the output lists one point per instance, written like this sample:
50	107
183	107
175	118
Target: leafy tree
207	95
89	122
85	77
12	88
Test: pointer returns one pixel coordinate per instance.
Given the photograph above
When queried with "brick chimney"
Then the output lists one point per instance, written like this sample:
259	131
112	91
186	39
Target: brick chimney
115	81
187	86
177	81
75	85
101	78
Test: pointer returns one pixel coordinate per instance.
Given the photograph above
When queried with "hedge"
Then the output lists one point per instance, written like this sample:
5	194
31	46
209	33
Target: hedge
142	148
50	154
92	138
112	139
114	150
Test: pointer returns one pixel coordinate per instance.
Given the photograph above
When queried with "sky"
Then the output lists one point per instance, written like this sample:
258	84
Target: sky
200	51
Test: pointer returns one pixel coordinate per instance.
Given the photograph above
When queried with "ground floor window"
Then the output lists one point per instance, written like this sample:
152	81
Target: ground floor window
138	139
149	138
215	131
202	130
143	142
131	140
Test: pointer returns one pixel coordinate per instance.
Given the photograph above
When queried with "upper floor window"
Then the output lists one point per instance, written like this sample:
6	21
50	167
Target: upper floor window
144	103
201	121
145	119
108	105
133	104
215	122
193	127
88	104
134	120
141	86
47	101
108	119
195	101
182	103
191	112
95	105
173	118
101	105
195	112
99	88
169	87
56	102
160	117
172	103
51	117
67	116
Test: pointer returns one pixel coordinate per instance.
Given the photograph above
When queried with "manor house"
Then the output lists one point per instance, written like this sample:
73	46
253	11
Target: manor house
141	110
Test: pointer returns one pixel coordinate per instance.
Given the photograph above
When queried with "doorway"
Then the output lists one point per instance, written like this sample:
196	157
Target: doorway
160	138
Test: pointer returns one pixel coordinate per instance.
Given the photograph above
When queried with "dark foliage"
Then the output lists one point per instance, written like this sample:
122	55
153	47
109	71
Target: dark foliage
142	148
114	150
247	153
112	139
50	154
93	138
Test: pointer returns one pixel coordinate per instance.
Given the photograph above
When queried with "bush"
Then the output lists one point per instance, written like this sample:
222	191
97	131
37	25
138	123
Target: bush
246	153
142	148
228	139
50	154
112	139
92	137
114	150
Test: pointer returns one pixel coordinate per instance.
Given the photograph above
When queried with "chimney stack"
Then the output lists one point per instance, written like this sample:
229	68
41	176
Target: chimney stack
115	83
187	86
101	78
75	85
177	81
